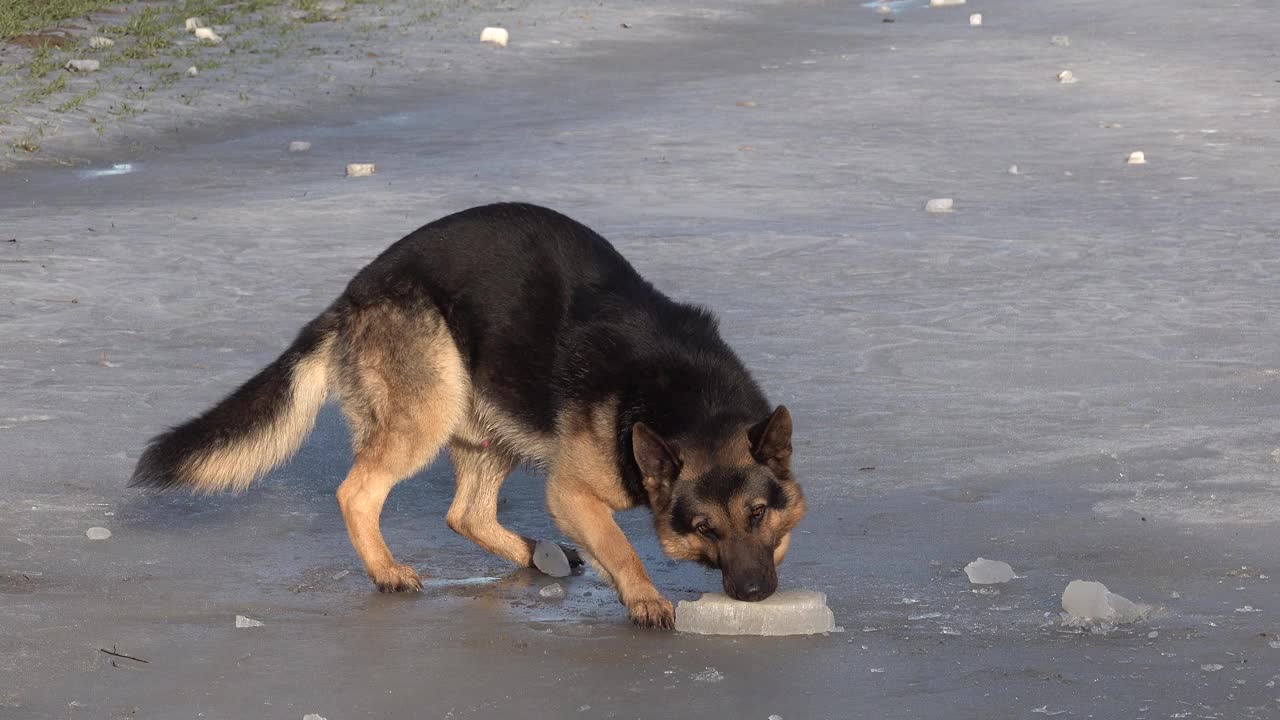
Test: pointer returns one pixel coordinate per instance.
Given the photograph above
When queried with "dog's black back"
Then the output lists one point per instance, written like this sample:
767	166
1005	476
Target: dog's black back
549	315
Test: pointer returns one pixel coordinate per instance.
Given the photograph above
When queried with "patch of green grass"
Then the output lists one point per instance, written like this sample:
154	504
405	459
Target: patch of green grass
43	62
24	16
43	91
78	100
152	31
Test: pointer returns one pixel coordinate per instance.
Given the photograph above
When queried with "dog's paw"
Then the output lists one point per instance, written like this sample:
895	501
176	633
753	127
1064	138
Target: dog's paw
654	613
397	578
574	557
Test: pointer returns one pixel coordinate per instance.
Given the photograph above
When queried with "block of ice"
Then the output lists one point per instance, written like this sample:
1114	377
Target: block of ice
1090	603
247	622
550	559
988	572
553	591
97	533
792	612
939	205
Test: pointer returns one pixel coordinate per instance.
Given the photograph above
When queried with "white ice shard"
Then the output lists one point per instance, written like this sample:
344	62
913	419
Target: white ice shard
553	591
247	622
495	35
360	169
1091	603
939	205
550	559
988	572
792	612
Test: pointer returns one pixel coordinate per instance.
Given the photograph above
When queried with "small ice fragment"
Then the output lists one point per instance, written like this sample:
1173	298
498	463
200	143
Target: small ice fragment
1153	634
208	36
709	675
193	71
1211	667
340	574
550	559
775	717
1060	40
1066	77
193	23
792	612
988	572
1175	594
884	9
97	533
1137	157
1247	609
1044	710
975	19
1275	455
497	36
1090	603
944	3
910	601
98	42
313	716
360	169
82	65
1275	644
939	205
244	622
1013	169
552	591
925	616
299	146
877	670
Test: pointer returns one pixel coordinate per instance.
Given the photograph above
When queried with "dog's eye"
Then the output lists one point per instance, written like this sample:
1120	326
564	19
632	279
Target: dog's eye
757	513
705	530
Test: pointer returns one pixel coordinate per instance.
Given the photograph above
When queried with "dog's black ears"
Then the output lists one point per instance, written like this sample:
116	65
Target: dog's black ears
659	462
771	441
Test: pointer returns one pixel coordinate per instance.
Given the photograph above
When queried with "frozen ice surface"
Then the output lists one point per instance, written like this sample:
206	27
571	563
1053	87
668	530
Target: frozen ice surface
988	572
550	559
553	591
97	533
1090	603
246	622
793	612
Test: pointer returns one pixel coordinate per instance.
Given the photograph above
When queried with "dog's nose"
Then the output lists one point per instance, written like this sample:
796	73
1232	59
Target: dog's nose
753	591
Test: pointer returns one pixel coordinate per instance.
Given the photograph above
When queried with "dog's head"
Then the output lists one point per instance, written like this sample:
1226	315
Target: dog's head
728	504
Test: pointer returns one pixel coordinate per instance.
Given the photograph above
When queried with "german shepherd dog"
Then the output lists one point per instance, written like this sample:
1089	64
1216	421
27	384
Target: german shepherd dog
512	334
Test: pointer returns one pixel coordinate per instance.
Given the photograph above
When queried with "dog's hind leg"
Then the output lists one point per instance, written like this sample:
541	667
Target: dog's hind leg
474	512
404	390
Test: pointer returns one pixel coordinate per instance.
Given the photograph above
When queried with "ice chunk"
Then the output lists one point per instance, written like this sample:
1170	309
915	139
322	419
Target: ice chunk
1061	40
988	572
193	71
244	622
1013	169
83	65
314	716
1066	77
944	3
1212	667
208	35
553	591
793	612
1137	157
550	559
496	35
709	675
193	23
939	205
98	42
360	169
1090	603
97	533
299	146
975	19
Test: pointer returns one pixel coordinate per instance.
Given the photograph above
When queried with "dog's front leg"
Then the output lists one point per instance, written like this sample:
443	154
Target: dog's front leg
588	520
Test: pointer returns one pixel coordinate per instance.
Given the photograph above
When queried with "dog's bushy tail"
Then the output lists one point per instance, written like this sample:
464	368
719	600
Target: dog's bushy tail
255	428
